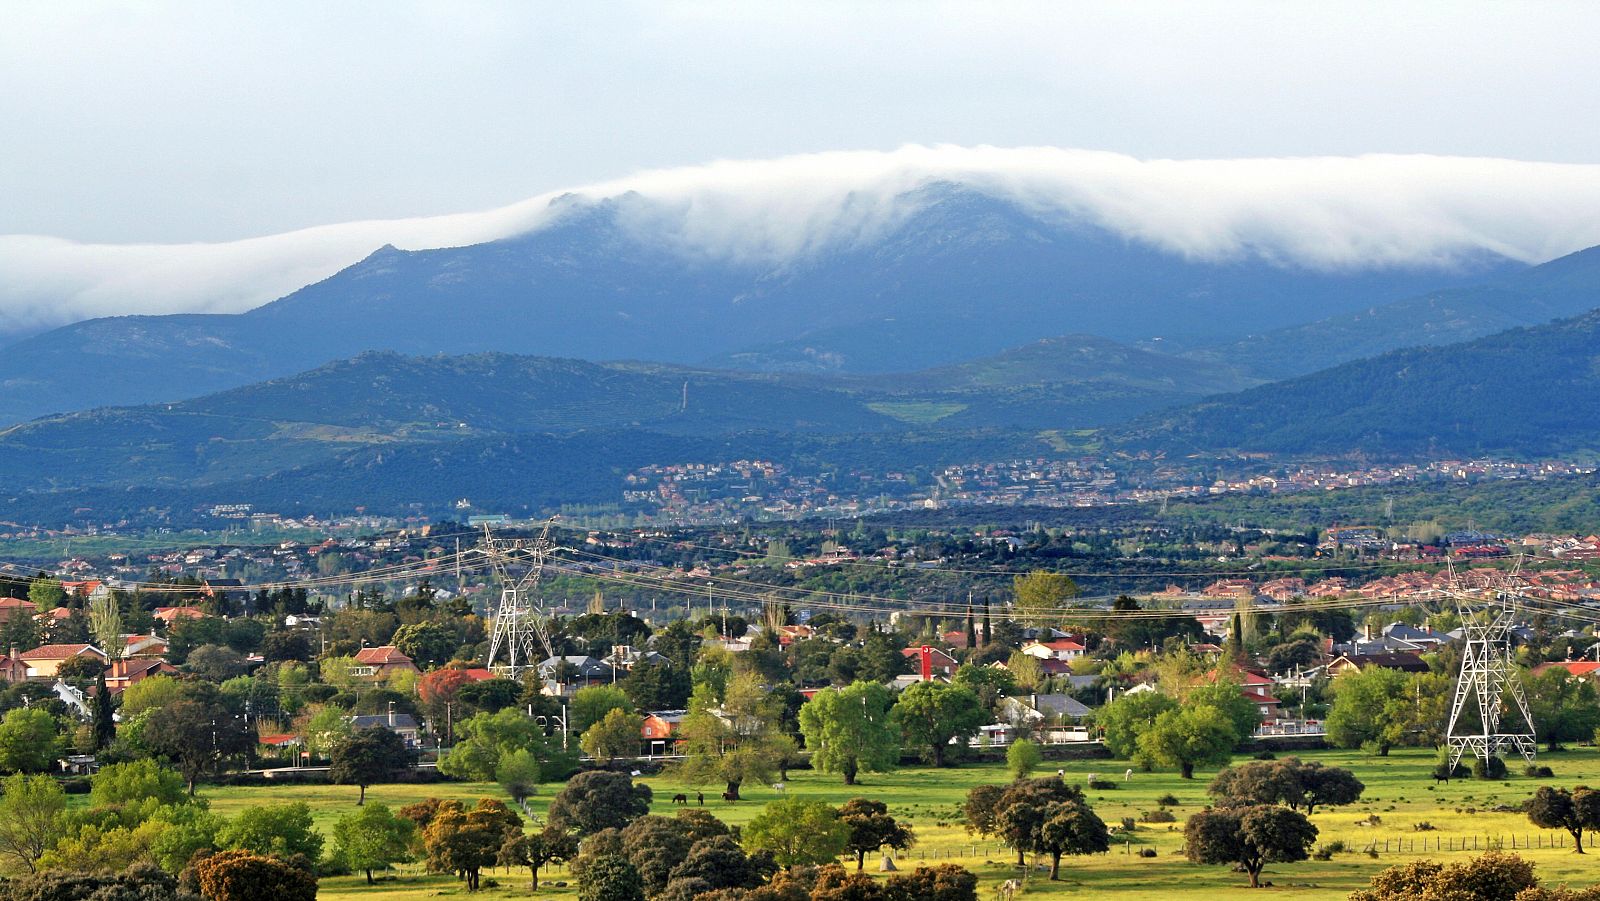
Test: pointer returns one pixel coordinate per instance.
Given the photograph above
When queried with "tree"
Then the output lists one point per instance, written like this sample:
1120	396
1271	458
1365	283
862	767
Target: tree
140	882
197	736
518	773
245	876
372	838
465	841
46	593
81	669
590	705
657	686
871	828
29	742
1226	693
940	882
1186	738
932	715
30	819
1574	811
283	830
1071	827
798	831
182	831
851	730
982	808
138	782
718	862
1023	809
1564	707
734	742
1249	837
152	693
1494	876
1369	710
369	755
1289	781
1023	757
1122	719
538	850
610	878
102	717
428	644
491	736
616	735
1041	597
597	800
216	662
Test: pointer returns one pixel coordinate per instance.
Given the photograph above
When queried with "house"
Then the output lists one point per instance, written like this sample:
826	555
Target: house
377	664
1404	661
13	669
564	675
123	673
144	646
938	663
1056	649
44	661
402	724
624	658
15	608
1035	709
659	731
170	615
1583	669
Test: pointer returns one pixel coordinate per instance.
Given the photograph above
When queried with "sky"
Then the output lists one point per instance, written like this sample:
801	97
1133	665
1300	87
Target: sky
160	121
170	156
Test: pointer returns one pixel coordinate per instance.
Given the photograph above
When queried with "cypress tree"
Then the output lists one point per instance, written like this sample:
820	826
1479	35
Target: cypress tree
972	630
988	630
105	728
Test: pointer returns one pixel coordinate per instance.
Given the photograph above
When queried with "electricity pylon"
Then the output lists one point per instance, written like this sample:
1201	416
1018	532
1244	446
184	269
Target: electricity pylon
521	628
1488	684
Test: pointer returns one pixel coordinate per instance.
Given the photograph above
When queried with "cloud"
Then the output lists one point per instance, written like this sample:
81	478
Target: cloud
1316	212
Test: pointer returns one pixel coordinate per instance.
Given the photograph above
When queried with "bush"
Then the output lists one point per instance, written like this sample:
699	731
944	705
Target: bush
1423	826
1168	800
1493	768
1265	755
1147	852
1537	772
1157	816
1102	784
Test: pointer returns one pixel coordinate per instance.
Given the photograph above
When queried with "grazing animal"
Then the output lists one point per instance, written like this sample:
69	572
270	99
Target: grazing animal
729	796
680	799
1008	889
701	797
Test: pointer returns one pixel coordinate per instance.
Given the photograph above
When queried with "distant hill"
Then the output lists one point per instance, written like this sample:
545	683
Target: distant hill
1563	287
385	424
964	274
1526	392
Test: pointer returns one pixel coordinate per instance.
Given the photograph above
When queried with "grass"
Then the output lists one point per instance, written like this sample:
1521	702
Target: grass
917	412
1398	791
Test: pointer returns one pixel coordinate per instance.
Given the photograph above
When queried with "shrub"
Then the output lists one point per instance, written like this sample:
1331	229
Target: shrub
1101	784
1157	816
1423	826
1168	800
1492	768
1265	755
1147	852
1537	772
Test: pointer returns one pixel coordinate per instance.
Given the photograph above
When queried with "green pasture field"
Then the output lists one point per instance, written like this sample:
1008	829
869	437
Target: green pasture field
1399	792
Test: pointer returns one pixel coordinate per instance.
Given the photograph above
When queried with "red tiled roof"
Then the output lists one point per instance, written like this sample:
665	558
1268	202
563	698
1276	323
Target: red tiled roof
57	651
386	654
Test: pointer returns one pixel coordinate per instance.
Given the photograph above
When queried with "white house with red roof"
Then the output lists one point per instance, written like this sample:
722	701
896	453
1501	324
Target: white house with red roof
1063	649
44	661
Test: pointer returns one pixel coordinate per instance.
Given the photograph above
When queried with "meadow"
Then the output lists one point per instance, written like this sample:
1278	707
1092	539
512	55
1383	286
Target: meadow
1400	794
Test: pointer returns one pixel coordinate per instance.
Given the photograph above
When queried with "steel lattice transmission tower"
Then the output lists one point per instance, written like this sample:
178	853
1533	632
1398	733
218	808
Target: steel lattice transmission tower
1489	712
521	627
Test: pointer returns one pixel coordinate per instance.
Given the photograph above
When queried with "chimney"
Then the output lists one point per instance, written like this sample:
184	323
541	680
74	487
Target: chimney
391	715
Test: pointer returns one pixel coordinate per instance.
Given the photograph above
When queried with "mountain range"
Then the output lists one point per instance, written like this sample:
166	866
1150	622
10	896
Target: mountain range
966	274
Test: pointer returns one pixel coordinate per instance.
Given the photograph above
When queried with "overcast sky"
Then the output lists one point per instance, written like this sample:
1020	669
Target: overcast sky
206	121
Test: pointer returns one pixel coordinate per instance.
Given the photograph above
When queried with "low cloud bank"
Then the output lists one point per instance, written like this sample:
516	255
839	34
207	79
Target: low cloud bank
1323	213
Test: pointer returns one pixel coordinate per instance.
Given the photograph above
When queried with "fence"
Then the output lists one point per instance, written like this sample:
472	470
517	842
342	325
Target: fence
1433	844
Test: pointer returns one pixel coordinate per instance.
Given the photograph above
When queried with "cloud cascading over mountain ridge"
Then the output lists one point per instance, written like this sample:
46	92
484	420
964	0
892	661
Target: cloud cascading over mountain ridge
1326	213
